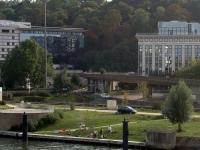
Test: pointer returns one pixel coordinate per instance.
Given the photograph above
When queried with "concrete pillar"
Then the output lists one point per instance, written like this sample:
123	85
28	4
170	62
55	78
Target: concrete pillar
163	58
193	52
89	85
108	87
183	56
149	91
153	58
1	94
173	58
143	62
104	86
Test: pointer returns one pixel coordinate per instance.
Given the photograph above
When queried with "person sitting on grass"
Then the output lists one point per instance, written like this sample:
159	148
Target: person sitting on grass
101	133
82	126
109	129
95	134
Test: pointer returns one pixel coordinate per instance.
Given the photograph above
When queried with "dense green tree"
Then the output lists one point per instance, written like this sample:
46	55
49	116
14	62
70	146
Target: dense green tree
25	61
75	80
108	24
192	71
141	20
62	82
178	106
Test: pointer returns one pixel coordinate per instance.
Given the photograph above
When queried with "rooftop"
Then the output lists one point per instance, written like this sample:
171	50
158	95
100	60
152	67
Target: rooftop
8	23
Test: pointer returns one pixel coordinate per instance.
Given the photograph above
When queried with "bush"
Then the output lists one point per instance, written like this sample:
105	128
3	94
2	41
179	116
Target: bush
50	119
7	96
34	99
156	106
35	125
20	94
2	103
41	94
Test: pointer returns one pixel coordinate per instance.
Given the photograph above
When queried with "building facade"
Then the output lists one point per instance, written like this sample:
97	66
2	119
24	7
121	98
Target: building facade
9	36
60	41
174	46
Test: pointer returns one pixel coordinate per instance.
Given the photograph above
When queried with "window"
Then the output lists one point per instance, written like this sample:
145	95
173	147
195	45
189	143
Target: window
5	31
178	56
13	37
188	54
140	58
13	43
197	51
148	59
8	43
158	59
13	31
2	49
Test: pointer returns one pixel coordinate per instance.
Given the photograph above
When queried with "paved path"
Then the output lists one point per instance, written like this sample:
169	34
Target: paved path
114	111
139	113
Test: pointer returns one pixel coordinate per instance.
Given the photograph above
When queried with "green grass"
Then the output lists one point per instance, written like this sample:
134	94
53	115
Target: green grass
5	107
137	124
72	119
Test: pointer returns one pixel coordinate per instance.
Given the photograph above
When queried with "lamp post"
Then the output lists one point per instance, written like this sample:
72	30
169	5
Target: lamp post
45	39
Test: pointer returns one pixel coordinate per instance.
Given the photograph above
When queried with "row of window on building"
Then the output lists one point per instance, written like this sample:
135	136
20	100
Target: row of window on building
7	31
8	44
164	57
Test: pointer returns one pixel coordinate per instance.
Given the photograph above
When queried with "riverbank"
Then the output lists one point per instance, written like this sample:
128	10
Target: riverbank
71	139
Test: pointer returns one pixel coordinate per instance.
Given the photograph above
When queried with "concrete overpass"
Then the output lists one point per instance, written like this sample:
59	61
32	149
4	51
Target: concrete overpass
106	80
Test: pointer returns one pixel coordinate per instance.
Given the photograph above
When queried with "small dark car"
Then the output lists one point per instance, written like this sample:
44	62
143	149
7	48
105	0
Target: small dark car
126	110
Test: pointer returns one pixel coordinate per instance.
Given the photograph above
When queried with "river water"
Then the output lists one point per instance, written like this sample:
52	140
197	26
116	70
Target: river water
12	144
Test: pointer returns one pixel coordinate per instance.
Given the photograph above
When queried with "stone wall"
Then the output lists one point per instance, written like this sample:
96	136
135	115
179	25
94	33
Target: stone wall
7	120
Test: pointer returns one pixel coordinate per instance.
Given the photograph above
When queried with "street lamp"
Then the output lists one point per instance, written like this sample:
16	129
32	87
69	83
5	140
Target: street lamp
45	39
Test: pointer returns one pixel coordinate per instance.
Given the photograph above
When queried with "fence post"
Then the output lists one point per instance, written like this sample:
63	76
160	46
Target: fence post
125	135
24	128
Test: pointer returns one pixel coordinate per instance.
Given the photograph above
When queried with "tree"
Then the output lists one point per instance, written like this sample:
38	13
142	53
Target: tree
25	61
141	20
178	106
75	80
62	82
125	100
192	71
142	87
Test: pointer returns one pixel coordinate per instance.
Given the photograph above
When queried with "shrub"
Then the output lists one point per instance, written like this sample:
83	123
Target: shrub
45	121
19	94
2	103
42	94
157	106
34	99
50	119
7	96
39	93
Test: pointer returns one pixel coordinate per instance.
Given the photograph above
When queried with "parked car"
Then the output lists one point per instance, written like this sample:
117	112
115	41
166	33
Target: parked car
126	110
105	95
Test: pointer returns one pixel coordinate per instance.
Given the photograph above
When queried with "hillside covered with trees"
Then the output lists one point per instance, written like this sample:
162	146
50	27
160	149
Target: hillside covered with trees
111	26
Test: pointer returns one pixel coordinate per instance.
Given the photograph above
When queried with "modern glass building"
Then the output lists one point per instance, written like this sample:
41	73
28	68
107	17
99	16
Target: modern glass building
60	41
174	46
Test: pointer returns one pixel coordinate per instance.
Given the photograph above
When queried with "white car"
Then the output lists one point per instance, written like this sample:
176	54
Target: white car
104	95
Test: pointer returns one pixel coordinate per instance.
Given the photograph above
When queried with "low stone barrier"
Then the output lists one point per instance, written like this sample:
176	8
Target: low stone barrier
13	117
71	139
161	139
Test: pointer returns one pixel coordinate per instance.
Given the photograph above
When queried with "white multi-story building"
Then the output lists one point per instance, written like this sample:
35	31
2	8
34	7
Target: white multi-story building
173	47
9	36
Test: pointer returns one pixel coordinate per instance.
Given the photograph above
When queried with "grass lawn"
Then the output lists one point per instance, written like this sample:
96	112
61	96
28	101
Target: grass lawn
5	107
72	119
137	124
